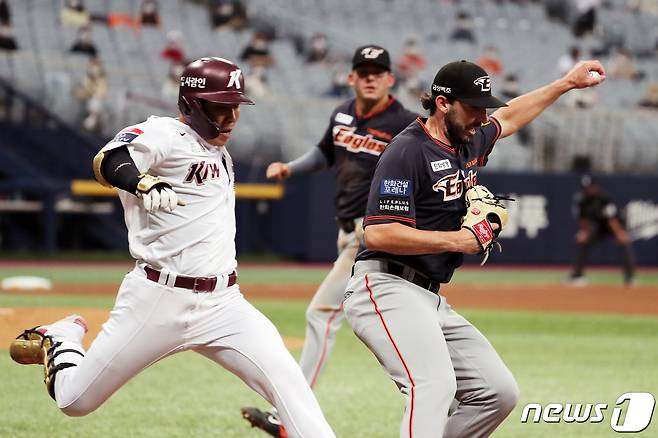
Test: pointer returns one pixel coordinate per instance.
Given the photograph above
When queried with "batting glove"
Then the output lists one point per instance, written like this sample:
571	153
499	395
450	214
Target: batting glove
157	194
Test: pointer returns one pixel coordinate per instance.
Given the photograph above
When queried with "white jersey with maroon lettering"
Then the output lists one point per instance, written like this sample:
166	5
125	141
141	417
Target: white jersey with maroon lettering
199	239
187	297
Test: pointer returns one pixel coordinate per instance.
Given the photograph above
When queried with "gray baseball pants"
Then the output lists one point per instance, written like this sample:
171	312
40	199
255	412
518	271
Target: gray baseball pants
432	353
324	314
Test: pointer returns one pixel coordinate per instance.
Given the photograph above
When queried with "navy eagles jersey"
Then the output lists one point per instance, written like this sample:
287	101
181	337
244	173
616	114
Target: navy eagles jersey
598	209
420	182
353	143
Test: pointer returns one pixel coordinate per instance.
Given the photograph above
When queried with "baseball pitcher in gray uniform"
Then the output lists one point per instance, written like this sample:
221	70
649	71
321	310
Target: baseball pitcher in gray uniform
415	239
359	130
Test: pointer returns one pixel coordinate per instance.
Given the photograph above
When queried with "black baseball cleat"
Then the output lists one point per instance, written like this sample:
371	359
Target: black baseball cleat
266	421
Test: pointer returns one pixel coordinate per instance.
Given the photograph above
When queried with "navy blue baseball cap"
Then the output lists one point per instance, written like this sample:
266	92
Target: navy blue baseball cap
466	82
371	54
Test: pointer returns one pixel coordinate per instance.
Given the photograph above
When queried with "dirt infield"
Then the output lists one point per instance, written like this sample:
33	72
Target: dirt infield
14	320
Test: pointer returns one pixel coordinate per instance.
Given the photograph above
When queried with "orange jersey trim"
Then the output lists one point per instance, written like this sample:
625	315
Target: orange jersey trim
371	114
438	142
395	218
499	130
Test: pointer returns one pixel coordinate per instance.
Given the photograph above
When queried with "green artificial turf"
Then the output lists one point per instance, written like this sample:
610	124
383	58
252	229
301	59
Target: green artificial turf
113	273
555	357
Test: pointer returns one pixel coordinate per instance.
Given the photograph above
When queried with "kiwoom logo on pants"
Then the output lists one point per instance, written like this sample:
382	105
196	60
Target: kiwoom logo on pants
632	412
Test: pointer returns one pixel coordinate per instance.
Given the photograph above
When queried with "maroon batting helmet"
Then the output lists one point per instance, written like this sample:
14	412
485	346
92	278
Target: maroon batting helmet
214	80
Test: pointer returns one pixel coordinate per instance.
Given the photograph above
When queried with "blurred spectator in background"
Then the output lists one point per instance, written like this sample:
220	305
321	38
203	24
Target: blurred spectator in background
622	66
83	43
173	51
557	10
74	13
509	89
568	60
650	98
7	40
490	61
318	49
257	80
463	30
117	19
413	85
5	13
612	37
149	14
257	52
585	17
648	6
172	82
340	86
412	60
227	14
598	219
92	93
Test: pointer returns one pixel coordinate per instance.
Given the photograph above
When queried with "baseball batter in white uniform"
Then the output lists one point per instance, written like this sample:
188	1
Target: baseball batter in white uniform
177	189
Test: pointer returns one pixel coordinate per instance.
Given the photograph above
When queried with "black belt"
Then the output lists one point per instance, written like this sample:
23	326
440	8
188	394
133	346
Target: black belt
197	284
404	272
347	225
412	276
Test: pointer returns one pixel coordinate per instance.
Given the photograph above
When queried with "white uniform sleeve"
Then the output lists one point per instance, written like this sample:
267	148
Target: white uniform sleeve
148	144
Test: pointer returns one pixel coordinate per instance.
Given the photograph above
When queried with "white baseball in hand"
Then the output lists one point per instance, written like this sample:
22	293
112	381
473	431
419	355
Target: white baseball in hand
594	74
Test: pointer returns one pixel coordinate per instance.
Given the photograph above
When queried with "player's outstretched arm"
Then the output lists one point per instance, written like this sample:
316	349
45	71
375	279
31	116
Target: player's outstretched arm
116	168
311	161
525	108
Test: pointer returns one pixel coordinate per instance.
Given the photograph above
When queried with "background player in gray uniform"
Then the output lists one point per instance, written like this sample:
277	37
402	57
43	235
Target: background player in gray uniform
359	130
414	241
182	293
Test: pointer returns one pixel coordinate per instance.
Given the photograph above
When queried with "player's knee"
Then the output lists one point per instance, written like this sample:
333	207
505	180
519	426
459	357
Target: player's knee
313	313
317	313
506	394
439	388
77	408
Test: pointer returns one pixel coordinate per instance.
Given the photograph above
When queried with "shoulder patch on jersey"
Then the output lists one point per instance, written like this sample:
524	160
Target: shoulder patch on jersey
127	135
395	187
343	118
441	165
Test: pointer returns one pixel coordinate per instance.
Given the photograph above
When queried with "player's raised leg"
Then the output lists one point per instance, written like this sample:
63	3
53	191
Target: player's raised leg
81	381
486	389
397	321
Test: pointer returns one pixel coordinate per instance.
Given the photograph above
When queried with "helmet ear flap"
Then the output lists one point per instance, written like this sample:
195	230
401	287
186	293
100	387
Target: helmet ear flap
197	118
184	106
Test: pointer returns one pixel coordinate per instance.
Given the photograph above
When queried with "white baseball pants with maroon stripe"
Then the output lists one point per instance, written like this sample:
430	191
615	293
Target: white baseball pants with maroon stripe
151	321
433	354
324	314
